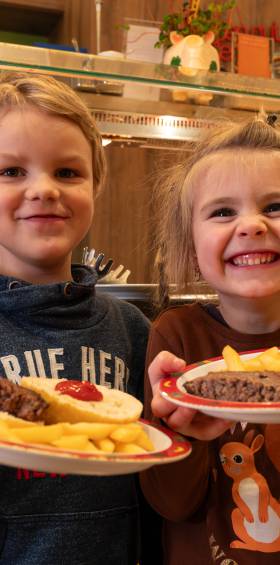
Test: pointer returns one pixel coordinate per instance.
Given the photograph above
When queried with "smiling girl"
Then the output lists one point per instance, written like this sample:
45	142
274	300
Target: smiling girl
220	214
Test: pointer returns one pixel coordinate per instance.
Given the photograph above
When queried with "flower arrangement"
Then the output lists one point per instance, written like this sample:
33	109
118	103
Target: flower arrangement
186	22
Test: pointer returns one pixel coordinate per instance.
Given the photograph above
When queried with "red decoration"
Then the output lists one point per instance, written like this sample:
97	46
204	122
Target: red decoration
224	44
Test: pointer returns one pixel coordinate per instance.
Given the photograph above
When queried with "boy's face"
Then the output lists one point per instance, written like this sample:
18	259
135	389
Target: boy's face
46	194
236	224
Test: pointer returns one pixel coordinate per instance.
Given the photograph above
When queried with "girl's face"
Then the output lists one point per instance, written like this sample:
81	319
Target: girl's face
236	223
46	194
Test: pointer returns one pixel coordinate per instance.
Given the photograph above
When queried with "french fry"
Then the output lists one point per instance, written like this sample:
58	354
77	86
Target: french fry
268	360
6	434
40	433
92	437
106	445
79	442
94	431
232	359
253	364
130	448
144	441
127	433
14	422
91	448
272	352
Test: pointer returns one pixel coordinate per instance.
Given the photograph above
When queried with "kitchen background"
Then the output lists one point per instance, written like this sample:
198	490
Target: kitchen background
122	228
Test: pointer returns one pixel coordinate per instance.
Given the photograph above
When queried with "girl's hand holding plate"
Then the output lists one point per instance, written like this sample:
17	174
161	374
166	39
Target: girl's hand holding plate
186	421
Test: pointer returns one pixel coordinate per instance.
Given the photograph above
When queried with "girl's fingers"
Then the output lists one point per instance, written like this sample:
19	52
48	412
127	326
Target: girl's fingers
161	408
208	431
183	420
180	420
194	424
163	364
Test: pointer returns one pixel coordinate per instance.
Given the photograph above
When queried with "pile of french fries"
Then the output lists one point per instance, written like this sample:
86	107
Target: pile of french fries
268	360
86	437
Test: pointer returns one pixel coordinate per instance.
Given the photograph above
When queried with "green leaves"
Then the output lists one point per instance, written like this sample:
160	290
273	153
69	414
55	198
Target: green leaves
213	67
176	61
213	18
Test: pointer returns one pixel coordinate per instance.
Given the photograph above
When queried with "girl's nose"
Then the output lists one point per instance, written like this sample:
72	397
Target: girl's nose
42	188
251	227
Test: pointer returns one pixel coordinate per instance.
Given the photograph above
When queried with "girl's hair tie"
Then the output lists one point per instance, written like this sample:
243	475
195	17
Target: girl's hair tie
271	119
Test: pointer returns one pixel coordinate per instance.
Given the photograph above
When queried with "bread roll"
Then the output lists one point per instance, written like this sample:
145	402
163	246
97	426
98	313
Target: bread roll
115	407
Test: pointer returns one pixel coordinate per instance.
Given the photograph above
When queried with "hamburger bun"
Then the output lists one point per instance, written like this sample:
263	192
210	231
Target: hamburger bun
115	407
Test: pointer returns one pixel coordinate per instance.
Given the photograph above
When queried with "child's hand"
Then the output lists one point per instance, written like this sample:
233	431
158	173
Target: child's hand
184	420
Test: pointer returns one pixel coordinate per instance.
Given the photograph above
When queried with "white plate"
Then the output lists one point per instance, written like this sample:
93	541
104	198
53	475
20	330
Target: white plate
256	412
170	447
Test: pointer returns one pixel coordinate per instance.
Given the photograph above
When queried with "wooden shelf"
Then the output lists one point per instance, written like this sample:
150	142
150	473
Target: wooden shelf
49	6
36	17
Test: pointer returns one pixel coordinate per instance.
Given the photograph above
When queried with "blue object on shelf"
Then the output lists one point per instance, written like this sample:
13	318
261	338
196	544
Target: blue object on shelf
58	46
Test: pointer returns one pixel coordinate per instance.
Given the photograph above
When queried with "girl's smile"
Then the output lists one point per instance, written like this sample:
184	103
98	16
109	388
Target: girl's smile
249	259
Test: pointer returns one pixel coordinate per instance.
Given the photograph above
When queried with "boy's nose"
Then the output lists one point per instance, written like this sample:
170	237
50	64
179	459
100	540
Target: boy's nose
252	227
42	188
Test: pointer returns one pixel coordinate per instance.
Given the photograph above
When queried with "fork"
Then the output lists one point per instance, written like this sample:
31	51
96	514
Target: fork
115	276
89	258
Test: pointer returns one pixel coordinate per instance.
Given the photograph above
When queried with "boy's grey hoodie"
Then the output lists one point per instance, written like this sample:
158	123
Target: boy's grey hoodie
66	330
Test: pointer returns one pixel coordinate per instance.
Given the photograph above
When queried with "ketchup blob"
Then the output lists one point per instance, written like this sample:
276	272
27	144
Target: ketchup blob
80	390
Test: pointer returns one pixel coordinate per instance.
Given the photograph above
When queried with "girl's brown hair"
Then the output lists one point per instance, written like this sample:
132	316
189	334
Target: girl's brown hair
55	98
173	196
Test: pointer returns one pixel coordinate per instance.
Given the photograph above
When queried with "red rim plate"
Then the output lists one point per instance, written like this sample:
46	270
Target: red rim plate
170	390
180	446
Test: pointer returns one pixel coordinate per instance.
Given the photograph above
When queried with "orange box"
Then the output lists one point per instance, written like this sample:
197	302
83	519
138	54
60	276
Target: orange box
253	55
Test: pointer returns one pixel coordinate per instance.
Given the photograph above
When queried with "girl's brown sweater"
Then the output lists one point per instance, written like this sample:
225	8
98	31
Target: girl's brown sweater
209	517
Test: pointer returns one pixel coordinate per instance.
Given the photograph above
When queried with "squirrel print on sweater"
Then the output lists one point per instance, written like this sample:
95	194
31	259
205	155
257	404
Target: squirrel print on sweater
256	518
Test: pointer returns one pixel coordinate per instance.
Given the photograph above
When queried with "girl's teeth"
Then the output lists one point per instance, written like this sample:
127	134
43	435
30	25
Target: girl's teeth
254	259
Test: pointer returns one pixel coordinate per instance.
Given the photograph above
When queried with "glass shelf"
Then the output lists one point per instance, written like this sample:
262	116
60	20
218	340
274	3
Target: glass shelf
95	68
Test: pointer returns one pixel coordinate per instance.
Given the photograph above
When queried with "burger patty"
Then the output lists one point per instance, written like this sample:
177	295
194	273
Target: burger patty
240	386
21	402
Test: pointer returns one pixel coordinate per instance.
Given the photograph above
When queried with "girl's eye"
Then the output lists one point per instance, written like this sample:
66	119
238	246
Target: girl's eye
66	173
12	172
273	207
222	213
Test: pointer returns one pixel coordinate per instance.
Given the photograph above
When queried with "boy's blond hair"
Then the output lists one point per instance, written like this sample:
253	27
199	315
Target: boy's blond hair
56	98
176	258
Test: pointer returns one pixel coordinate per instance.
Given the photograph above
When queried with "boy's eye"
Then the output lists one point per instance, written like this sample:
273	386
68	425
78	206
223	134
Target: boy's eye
222	213
66	173
12	172
273	207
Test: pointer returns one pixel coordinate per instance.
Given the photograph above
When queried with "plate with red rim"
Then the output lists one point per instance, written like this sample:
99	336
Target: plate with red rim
169	447
172	389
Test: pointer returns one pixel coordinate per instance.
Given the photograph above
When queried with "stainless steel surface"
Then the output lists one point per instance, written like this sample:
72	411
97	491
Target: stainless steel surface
144	293
163	124
145	127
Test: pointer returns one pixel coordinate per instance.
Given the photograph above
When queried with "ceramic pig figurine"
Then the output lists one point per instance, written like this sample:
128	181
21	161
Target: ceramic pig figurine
195	52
